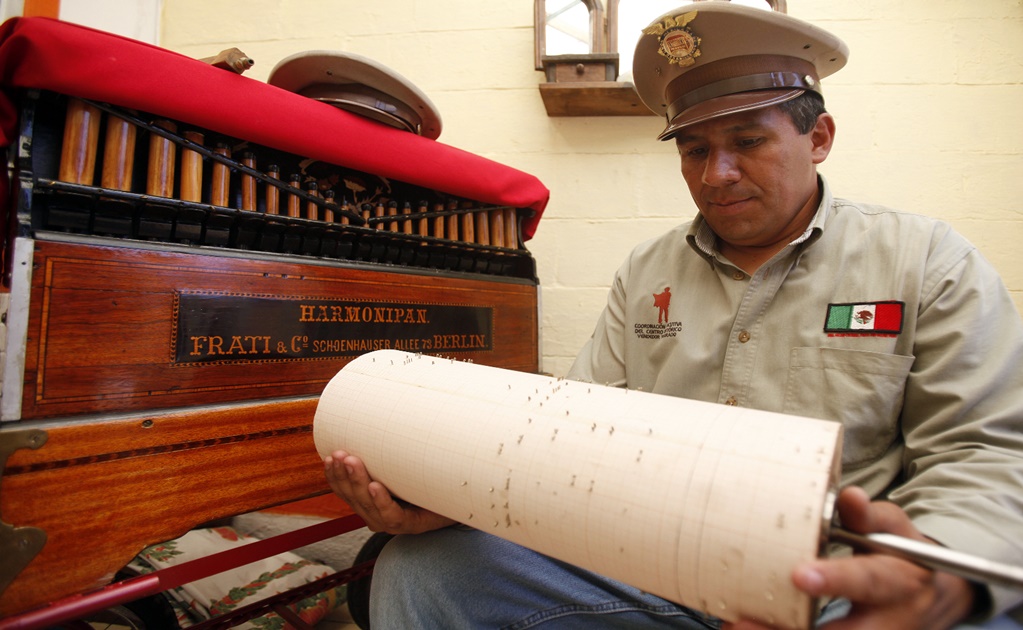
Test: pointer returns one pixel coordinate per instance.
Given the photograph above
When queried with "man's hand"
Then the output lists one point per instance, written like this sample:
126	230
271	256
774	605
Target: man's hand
349	479
885	592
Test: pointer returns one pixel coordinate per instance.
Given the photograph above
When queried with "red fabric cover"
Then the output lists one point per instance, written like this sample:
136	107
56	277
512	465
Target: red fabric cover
78	61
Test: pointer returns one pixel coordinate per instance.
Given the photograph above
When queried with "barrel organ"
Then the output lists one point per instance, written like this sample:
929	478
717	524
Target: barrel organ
189	256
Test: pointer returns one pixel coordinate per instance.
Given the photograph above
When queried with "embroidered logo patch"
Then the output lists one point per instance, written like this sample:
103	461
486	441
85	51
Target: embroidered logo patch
866	318
663	302
664	326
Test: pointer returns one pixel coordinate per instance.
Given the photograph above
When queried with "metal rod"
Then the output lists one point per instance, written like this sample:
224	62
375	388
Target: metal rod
933	557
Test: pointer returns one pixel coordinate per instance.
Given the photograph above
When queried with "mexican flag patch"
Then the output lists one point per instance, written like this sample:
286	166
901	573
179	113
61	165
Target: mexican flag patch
877	318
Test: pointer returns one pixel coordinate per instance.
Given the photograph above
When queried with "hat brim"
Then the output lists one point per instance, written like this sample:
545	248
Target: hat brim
312	73
374	113
726	105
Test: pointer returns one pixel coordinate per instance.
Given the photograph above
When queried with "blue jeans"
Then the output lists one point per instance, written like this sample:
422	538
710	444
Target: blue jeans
460	577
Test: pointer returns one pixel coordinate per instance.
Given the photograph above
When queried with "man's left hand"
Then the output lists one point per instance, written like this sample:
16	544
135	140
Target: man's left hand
885	591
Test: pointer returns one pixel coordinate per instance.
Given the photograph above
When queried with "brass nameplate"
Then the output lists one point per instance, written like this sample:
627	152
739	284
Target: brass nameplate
219	328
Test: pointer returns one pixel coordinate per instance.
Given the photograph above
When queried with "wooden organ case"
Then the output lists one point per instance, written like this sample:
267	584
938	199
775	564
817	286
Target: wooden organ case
189	256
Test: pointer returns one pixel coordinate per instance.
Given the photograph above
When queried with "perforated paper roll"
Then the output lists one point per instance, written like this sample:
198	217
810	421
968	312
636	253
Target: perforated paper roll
706	505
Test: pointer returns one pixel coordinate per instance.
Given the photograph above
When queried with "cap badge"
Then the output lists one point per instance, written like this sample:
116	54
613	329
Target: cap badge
678	43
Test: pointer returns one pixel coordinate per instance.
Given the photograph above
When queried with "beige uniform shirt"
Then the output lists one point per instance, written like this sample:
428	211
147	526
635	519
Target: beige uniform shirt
889	323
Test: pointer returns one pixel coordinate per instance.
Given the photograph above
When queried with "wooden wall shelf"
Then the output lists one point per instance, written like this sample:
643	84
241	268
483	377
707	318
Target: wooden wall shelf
592	98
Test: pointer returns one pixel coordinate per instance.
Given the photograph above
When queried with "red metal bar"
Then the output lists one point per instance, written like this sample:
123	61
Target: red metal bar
77	606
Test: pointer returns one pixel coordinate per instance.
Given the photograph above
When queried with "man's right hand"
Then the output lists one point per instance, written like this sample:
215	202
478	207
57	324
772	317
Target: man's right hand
349	479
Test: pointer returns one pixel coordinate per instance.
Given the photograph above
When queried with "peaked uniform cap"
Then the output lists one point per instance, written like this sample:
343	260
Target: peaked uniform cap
360	85
714	58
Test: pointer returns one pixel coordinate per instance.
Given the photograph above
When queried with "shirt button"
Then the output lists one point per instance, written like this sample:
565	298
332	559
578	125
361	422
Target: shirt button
738	275
744	336
731	402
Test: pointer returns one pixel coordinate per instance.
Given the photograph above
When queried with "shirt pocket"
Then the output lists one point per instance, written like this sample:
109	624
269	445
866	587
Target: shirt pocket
862	390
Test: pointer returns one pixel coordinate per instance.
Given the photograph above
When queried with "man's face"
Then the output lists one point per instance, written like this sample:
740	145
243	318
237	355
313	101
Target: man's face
753	175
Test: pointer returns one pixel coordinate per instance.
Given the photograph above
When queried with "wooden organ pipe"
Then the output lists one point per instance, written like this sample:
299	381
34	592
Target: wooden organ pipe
482	227
160	174
220	178
511	228
468	224
344	217
294	201
451	225
118	154
423	225
438	222
312	210
406	225
191	169
81	142
273	194
328	206
248	182
392	211
497	228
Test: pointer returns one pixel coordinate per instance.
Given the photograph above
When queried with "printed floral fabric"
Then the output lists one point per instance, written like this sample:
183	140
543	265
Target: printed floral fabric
215	595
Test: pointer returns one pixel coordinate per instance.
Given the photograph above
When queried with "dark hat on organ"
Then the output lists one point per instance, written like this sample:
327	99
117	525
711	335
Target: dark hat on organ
360	85
714	58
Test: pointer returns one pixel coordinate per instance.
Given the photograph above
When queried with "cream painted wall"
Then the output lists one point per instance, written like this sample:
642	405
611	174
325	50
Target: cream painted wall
928	113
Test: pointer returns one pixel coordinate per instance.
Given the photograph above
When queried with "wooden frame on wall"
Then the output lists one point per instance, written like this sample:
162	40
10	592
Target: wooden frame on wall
586	84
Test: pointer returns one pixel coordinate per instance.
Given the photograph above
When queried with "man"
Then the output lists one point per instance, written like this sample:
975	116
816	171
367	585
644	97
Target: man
784	298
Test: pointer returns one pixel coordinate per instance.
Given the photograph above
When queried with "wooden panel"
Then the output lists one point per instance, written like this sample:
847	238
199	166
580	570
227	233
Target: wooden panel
103	490
103	322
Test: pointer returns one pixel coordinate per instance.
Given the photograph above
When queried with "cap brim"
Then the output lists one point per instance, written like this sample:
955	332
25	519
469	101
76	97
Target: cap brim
312	73
725	105
374	113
